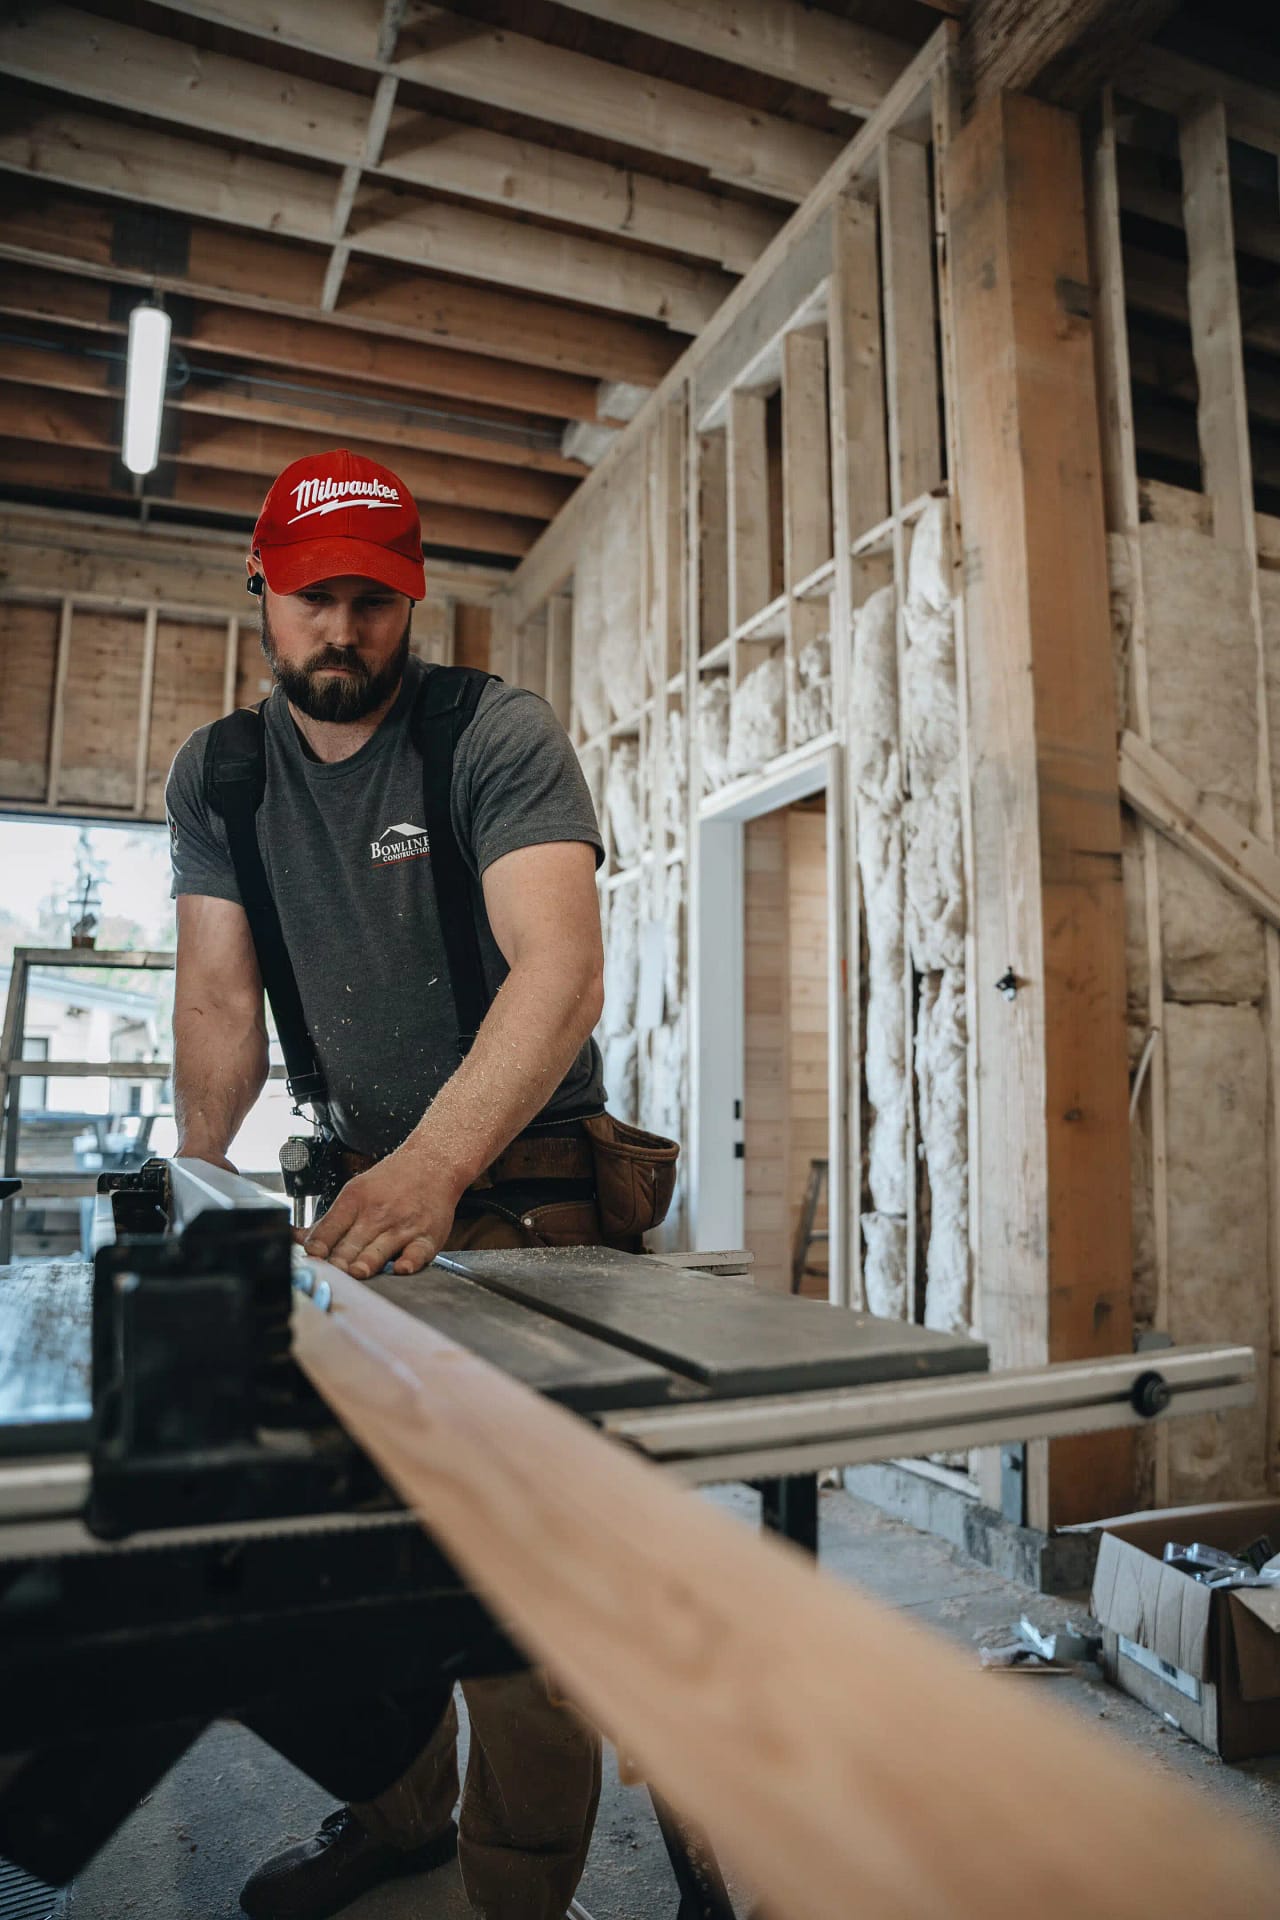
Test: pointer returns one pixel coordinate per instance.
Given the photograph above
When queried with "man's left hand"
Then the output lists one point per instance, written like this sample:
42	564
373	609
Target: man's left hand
395	1211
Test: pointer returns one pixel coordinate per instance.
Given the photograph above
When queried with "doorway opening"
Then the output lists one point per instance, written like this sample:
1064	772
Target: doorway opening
769	1147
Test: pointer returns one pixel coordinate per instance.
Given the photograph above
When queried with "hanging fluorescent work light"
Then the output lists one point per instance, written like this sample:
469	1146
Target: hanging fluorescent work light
144	386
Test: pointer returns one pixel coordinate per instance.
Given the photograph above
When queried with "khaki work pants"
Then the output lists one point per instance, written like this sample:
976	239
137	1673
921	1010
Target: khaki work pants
533	1773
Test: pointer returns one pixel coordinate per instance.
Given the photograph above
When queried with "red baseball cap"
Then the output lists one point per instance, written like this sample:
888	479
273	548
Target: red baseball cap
335	513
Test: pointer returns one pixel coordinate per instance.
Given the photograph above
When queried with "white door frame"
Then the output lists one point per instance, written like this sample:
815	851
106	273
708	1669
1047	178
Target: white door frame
717	983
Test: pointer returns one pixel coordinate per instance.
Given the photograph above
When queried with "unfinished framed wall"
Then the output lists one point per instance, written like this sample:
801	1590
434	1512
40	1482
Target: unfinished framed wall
1184	229
116	643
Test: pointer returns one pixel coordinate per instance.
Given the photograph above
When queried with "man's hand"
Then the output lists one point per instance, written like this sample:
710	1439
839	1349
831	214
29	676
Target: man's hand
400	1210
210	1156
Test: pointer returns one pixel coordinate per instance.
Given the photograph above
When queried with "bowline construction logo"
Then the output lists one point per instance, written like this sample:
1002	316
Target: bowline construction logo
329	496
404	841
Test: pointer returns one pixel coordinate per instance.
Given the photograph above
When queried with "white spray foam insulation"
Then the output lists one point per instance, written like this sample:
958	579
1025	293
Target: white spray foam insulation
622	798
621	1075
885	1044
884	1265
1217	1157
934	868
930	699
758	716
941	1047
811	695
711	718
1212	944
591	760
622	960
676	791
674	915
929	564
874	724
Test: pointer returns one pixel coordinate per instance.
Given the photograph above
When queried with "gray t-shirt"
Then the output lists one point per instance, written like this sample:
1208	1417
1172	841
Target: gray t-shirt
350	869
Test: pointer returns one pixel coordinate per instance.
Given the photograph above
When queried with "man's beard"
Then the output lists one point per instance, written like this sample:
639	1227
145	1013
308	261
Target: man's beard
343	698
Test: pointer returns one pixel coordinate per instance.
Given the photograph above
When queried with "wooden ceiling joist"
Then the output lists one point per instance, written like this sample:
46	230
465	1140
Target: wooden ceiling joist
231	446
853	65
214	263
309	347
265	397
29	467
146	73
495	67
195	178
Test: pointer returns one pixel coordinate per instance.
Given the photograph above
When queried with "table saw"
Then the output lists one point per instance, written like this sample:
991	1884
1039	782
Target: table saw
187	1533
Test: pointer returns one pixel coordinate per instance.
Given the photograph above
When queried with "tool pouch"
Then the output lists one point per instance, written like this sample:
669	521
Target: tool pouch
635	1177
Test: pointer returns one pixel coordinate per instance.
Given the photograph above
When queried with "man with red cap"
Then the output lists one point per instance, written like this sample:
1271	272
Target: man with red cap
467	1139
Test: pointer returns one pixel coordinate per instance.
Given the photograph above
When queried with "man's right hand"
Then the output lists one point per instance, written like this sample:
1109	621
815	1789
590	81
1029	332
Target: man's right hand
211	1158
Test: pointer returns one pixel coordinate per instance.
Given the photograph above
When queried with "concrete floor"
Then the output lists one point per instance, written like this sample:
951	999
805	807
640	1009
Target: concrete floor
231	1801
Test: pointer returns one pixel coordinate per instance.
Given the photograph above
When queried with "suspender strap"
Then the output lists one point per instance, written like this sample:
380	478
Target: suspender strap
445	707
235	773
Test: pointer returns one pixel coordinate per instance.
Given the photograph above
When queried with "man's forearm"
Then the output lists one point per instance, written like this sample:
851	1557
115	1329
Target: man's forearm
525	1046
219	1069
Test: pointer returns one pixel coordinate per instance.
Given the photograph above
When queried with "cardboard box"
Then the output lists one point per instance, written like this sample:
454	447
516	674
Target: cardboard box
1208	1661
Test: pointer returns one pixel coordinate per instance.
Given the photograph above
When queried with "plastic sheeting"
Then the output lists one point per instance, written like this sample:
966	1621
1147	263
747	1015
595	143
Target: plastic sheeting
758	717
711	718
941	1047
622	799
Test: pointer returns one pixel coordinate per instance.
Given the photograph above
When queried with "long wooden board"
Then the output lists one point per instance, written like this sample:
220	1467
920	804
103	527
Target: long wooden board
713	1330
844	1759
568	1366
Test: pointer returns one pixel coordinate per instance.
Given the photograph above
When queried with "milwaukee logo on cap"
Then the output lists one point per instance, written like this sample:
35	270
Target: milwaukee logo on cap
333	494
333	515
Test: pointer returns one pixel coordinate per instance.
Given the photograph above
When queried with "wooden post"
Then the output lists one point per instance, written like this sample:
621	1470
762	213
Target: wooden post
1051	1062
146	684
57	721
748	481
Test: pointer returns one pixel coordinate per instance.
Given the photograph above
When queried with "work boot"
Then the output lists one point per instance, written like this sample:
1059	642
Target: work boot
323	1875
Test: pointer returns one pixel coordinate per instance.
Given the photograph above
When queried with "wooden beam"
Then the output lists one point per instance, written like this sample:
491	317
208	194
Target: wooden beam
36	467
311	348
721	1658
1064	50
910	322
98	59
859	451
74	420
1208	831
853	65
1053	1124
45	228
748	491
274	400
1175	85
191	177
45	554
907	107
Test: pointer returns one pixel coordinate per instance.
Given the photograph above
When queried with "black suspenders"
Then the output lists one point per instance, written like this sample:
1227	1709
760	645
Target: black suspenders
235	779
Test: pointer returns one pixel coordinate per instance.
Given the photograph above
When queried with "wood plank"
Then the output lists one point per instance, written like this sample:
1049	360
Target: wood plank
46	1318
663	1624
1053	1121
805	457
1210	833
1063	50
707	1329
50	229
756	331
573	1368
28	658
187	693
859	450
100	729
910	322
748	495
852	64
553	559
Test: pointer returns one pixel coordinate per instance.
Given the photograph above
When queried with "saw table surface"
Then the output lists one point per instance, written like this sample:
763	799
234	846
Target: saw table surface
591	1328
